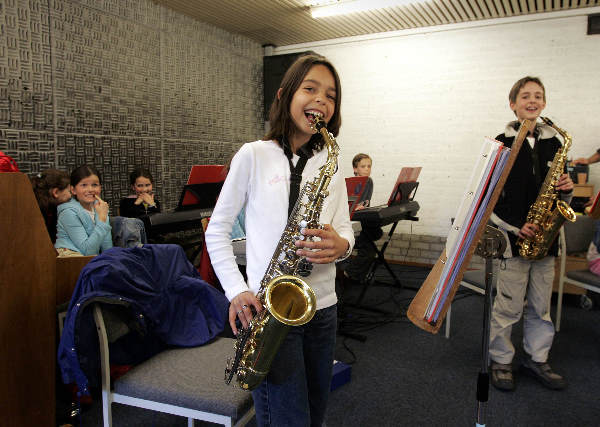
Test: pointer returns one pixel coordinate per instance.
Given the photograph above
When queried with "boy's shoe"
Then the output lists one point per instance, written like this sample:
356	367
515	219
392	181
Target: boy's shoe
544	374
502	376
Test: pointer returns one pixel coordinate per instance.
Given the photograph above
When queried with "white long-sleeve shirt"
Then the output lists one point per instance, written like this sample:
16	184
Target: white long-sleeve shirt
258	180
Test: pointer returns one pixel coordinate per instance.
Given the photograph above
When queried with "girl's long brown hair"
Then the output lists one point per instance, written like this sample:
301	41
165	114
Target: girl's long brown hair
45	181
282	124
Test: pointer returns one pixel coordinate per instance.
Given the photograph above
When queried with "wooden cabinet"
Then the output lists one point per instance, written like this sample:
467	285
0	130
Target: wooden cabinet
32	282
583	190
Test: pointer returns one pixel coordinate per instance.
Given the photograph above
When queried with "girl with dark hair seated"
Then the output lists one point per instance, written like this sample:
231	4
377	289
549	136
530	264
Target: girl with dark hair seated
83	226
143	201
51	188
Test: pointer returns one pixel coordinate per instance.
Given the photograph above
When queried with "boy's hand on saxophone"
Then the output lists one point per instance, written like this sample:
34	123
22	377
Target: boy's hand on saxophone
564	183
528	230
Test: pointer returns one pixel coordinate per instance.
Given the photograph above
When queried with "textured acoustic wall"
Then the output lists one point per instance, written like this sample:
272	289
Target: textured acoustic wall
123	83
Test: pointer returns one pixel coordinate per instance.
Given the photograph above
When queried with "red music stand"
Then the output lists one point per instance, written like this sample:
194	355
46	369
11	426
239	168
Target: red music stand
355	186
203	187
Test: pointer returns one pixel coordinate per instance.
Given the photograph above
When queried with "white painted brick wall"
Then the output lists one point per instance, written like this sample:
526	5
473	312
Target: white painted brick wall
429	99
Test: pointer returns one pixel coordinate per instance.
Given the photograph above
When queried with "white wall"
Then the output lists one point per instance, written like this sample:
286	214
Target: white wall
428	99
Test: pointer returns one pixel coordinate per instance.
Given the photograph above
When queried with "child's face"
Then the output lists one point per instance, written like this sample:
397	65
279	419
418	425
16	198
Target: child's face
530	102
61	196
316	94
142	185
87	189
363	168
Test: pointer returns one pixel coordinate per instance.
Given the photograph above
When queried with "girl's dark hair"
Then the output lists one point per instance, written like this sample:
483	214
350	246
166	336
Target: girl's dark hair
45	181
83	172
279	114
140	172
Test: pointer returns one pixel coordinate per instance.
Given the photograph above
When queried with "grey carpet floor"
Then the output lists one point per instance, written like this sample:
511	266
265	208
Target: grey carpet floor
403	376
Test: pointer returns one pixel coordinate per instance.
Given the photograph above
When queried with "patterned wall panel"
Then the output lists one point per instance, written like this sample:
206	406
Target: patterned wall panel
212	82
107	72
32	150
212	94
123	83
25	66
115	158
141	11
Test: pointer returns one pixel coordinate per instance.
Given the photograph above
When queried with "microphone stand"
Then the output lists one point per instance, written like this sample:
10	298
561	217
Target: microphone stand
492	245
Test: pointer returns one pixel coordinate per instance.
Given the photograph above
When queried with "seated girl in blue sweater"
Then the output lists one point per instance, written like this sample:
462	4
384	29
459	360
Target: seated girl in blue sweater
83	227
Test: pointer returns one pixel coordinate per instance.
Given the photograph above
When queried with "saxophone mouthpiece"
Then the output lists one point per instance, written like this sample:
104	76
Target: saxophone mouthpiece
318	122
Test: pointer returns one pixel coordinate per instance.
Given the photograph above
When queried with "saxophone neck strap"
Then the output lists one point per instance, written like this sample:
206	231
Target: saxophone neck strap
295	171
534	151
535	158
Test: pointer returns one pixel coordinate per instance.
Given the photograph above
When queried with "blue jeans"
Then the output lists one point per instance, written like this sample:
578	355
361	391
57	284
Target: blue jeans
296	389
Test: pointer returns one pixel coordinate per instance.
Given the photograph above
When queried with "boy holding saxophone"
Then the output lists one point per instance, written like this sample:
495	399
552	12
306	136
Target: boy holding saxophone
520	278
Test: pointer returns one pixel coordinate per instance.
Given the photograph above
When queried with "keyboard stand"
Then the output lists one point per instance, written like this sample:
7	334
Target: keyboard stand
379	259
366	282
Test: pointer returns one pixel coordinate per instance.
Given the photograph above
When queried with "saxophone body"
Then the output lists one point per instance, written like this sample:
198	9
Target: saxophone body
548	213
286	298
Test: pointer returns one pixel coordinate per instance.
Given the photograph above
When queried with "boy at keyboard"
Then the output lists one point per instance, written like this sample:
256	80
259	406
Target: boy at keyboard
358	266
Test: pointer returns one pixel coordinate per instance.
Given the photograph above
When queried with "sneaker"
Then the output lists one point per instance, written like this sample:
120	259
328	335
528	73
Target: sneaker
544	374
502	376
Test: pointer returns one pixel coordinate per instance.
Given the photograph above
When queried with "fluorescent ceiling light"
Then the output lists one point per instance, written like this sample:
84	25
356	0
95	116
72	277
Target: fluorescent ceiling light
352	6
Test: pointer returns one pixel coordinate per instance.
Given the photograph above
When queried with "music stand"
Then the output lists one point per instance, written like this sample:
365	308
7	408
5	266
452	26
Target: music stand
197	200
355	187
417	309
405	186
203	187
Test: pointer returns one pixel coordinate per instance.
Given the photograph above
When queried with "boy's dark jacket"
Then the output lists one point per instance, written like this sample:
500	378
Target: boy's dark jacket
524	181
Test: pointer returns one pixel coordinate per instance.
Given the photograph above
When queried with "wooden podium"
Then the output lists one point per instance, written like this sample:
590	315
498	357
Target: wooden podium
418	306
29	294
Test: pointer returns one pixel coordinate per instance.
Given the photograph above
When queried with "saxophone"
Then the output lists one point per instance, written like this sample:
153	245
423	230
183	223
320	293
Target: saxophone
287	299
541	213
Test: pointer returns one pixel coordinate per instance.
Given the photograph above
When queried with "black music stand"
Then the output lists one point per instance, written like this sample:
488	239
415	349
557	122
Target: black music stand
205	196
202	188
491	245
196	201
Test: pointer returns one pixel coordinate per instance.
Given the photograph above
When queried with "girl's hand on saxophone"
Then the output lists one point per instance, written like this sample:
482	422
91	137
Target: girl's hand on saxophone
528	230
330	247
241	308
564	183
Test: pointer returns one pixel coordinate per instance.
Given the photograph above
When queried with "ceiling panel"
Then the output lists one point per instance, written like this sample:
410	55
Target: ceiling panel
286	22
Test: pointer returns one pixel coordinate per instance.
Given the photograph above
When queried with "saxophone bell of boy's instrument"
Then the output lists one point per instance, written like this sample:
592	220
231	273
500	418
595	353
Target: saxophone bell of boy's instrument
287	299
541	213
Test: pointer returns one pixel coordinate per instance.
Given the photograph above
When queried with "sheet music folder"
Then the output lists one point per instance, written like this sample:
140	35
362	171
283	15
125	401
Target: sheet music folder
418	307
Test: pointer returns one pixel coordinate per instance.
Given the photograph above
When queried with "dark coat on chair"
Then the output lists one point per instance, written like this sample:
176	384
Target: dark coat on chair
165	302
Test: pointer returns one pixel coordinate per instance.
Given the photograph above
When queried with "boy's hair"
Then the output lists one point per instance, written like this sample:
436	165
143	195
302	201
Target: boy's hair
140	172
514	91
45	181
356	160
279	114
83	172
